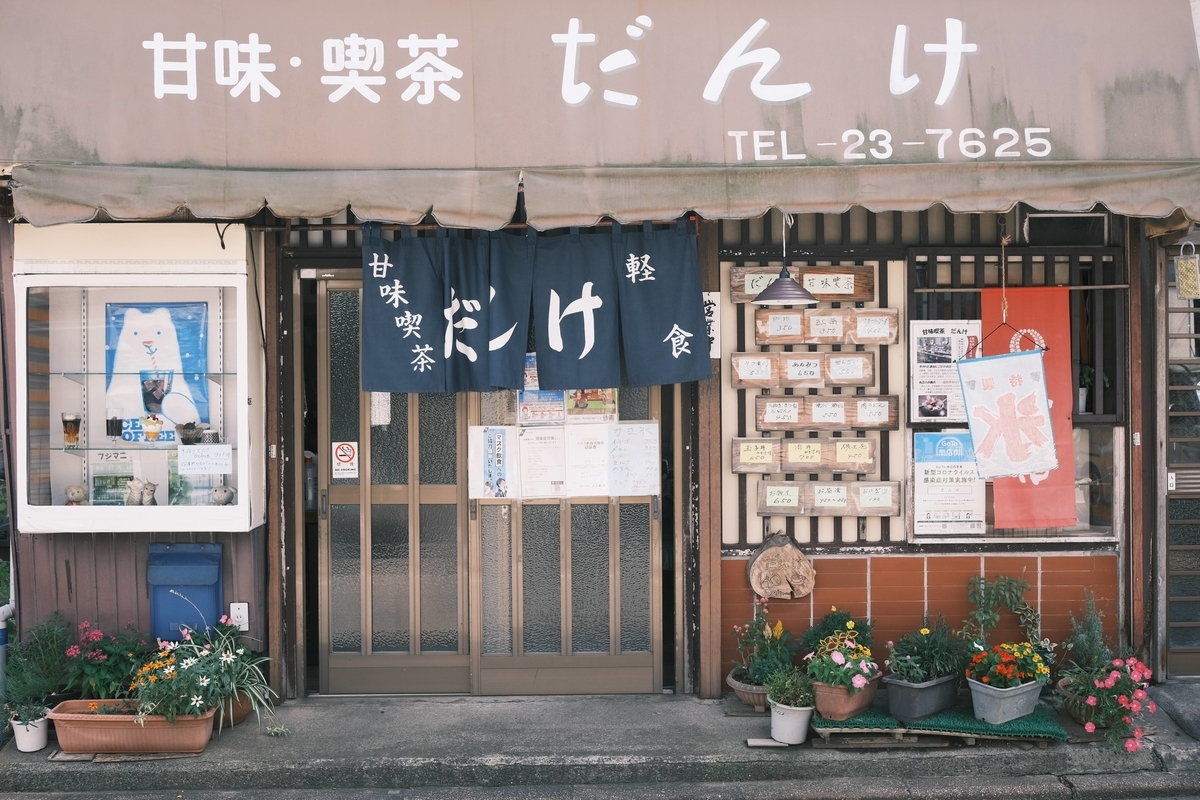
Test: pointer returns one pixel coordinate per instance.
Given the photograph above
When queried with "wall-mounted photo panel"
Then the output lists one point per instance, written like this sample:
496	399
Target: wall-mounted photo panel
826	412
828	498
840	284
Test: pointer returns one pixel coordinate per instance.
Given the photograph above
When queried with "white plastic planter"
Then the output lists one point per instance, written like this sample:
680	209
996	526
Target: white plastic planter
998	706
789	724
31	736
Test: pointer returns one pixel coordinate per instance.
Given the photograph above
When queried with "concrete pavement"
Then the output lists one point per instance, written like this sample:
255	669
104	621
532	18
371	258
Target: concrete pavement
590	747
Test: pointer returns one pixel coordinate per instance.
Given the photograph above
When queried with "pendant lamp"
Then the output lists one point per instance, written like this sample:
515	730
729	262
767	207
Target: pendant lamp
785	291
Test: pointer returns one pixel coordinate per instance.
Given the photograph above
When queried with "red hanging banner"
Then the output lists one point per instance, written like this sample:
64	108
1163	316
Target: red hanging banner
1042	317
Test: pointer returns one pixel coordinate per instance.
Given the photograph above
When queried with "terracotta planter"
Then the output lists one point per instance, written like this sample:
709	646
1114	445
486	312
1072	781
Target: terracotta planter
81	731
751	694
237	710
836	702
1076	704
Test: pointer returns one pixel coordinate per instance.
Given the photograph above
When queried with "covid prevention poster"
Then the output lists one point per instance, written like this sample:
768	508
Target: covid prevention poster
949	498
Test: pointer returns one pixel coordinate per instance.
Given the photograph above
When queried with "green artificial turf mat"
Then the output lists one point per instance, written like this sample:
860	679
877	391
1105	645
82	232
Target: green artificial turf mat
874	718
961	720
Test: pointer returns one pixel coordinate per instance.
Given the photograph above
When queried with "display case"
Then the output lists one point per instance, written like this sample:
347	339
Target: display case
135	389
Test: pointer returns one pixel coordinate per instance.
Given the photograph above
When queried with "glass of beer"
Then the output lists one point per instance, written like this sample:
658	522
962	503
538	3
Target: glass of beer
70	421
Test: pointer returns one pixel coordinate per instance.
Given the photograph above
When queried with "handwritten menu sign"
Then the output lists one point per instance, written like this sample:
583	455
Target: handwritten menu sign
633	459
205	459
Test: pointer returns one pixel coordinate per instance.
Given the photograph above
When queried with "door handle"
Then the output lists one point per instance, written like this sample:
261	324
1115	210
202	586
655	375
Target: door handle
324	504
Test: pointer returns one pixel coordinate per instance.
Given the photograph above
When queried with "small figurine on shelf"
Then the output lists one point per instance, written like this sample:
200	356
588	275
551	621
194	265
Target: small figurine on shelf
151	426
148	490
134	498
77	495
222	495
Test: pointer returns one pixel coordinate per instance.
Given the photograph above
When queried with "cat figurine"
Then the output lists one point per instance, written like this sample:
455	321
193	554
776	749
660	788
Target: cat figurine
149	342
148	490
134	498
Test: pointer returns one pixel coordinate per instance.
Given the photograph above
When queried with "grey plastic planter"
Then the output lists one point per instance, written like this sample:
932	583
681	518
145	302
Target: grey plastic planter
997	706
909	702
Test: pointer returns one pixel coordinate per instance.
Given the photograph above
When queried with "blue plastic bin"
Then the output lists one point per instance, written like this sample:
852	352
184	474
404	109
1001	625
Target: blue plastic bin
192	570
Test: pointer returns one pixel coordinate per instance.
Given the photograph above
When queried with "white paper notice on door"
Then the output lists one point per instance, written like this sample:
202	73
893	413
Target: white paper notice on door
543	462
634	465
587	460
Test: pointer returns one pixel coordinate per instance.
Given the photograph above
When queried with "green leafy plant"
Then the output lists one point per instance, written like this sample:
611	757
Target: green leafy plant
278	731
25	713
790	687
928	653
762	649
1008	594
101	666
832	622
840	660
1087	377
1007	665
38	664
1087	647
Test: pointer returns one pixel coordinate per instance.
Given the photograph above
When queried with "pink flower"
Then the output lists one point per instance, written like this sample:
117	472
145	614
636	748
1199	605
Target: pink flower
837	657
1140	694
864	666
1132	744
809	656
1123	700
859	681
1090	727
1118	662
891	643
83	626
1135	707
187	635
1153	707
1110	683
1091	701
1099	683
849	643
73	651
1114	675
1128	720
1137	733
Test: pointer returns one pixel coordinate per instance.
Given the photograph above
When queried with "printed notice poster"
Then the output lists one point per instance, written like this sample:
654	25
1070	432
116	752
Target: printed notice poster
536	407
587	460
345	460
935	346
111	470
948	495
592	405
543	455
493	462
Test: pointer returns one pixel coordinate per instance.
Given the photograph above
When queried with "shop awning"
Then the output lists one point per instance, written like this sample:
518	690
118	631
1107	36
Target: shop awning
627	109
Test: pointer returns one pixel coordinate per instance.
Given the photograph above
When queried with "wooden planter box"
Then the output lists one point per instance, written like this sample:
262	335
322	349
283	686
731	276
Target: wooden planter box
83	731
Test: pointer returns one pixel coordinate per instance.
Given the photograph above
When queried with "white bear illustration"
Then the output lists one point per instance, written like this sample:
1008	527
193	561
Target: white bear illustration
149	343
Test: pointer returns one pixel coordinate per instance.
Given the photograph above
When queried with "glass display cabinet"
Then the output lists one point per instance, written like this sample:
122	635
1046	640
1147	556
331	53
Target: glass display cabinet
134	401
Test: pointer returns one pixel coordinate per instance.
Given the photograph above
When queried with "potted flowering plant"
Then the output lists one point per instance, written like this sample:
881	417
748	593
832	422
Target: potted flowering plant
101	665
790	693
1111	697
844	677
239	682
762	650
29	726
925	666
1005	681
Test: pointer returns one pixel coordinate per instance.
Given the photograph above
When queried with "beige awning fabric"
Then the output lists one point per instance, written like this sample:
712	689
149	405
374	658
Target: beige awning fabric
557	198
52	195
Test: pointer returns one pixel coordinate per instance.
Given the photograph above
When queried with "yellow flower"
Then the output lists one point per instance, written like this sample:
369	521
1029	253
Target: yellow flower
924	631
767	630
92	706
833	608
778	628
850	625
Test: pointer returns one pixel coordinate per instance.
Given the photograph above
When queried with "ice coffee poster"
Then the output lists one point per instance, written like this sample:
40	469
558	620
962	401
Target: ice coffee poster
934	347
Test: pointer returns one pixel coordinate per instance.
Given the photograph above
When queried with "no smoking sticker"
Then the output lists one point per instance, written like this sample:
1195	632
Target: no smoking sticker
345	459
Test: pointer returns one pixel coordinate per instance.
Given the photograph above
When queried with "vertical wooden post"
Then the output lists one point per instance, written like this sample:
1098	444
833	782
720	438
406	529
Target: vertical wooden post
1143	320
708	425
276	503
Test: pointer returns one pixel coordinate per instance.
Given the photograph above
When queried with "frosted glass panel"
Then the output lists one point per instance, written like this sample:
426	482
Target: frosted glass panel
589	579
633	402
439	578
389	443
541	548
345	612
635	578
438	415
496	530
343	370
389	578
498	408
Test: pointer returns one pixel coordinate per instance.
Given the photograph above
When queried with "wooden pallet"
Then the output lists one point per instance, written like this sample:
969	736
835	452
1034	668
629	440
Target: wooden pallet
877	738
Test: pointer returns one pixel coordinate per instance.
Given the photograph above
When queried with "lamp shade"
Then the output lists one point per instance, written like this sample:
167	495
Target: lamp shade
785	292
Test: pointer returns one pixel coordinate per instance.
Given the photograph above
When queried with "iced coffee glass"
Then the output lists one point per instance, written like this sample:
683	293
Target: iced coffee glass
70	421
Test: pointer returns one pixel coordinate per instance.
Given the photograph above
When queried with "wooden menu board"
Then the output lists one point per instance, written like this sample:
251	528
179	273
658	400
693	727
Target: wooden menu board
826	326
826	412
812	456
828	499
847	284
801	370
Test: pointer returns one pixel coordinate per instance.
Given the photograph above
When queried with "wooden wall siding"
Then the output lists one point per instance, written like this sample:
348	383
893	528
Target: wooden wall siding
101	577
897	592
39	399
826	326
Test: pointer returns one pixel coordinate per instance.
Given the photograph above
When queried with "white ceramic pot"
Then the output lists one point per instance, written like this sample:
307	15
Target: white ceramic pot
1083	393
789	724
30	736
